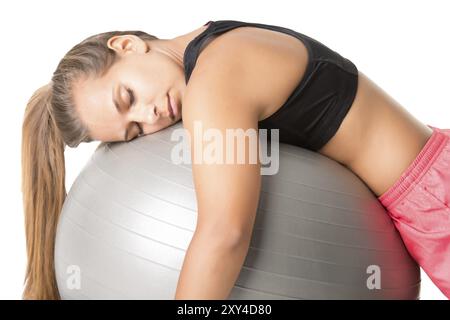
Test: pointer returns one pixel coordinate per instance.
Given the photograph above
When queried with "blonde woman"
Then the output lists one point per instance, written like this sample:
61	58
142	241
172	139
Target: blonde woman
116	86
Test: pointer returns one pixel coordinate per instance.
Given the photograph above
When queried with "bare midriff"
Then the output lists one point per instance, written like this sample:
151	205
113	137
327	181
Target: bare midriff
378	139
380	135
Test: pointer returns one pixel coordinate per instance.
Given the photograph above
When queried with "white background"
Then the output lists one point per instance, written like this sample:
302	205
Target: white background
403	46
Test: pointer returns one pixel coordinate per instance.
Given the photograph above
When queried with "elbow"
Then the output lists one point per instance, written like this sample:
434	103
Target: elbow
228	237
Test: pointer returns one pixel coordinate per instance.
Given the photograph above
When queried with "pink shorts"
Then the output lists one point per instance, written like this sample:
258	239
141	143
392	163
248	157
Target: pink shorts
419	204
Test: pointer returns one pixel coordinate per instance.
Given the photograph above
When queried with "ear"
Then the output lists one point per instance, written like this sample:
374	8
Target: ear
124	44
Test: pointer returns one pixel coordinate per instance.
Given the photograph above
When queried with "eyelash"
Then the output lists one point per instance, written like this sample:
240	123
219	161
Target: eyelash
130	93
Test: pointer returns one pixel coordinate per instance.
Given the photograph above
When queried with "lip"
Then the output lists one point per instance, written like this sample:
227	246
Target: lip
173	105
170	107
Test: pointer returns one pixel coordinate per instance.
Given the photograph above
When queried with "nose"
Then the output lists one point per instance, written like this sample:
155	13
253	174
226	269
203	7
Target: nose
144	113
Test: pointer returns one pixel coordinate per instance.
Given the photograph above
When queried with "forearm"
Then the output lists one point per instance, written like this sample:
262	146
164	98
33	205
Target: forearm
210	268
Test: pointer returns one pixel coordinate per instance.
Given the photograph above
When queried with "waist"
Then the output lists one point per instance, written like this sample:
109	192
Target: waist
382	137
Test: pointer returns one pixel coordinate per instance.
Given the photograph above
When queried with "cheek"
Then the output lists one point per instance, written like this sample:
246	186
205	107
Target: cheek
168	70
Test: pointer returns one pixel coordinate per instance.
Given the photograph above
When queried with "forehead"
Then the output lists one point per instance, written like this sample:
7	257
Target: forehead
94	104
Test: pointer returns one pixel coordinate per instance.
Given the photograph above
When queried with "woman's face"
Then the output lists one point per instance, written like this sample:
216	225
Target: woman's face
132	98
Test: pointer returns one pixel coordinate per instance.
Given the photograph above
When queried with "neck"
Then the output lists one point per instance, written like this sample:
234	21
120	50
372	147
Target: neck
175	48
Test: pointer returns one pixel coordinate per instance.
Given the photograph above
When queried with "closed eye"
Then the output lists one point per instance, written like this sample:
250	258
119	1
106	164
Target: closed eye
131	95
132	101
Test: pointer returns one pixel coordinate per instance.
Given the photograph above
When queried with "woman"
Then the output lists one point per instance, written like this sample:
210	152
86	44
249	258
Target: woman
116	86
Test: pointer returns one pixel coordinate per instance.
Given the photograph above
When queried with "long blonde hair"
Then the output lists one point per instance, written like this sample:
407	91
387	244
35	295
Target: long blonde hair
50	123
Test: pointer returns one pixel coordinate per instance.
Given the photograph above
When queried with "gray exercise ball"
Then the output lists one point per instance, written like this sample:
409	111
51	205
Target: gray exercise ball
320	233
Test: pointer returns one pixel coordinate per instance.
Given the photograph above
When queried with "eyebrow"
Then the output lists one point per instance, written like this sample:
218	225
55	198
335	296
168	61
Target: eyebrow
116	104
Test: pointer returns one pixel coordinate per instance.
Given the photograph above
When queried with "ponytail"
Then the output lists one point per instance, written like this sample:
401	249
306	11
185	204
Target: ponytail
52	122
43	189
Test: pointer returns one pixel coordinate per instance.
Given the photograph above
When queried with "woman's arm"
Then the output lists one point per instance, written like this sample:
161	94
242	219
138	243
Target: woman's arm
227	193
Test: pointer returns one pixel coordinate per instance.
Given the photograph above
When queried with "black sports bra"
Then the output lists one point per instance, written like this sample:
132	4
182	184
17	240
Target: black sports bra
312	114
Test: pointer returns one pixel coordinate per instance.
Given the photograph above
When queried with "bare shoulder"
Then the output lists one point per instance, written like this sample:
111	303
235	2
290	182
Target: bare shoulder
261	67
220	83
